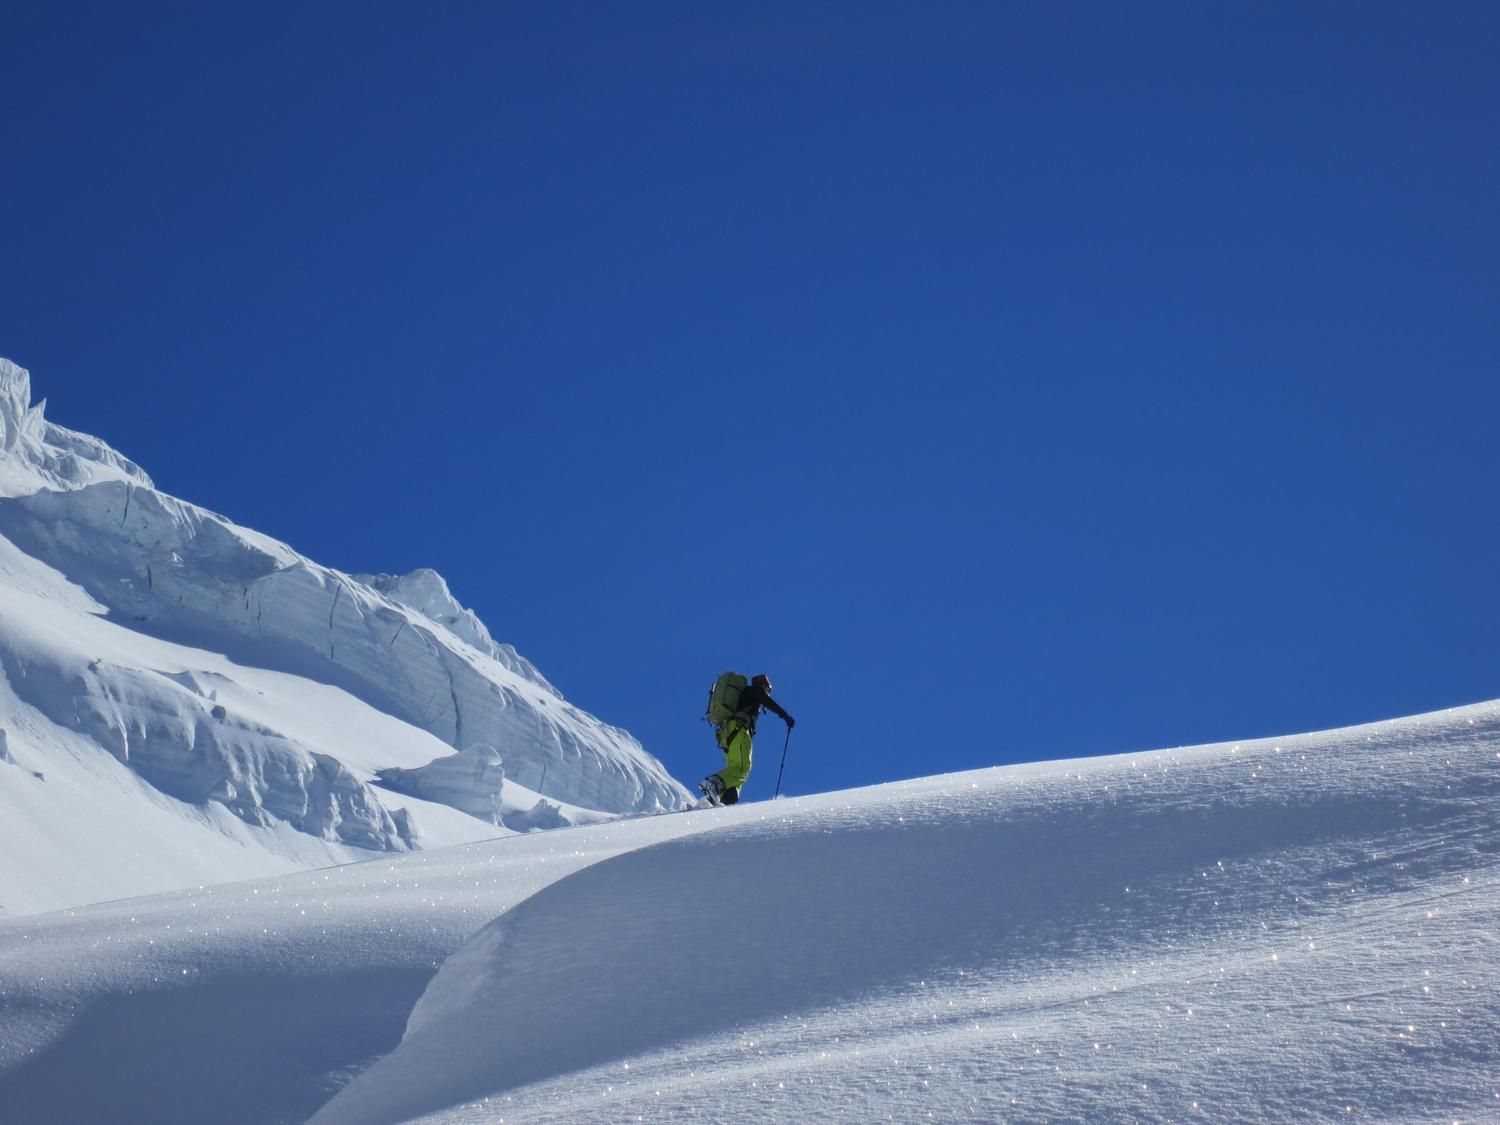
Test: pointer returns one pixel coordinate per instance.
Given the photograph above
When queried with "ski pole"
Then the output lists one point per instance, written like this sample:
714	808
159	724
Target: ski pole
784	745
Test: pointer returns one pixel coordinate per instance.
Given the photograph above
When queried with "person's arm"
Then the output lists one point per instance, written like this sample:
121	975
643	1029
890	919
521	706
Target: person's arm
776	707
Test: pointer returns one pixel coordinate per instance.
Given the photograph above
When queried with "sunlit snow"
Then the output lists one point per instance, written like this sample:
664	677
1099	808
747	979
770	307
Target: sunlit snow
186	700
1305	928
1299	929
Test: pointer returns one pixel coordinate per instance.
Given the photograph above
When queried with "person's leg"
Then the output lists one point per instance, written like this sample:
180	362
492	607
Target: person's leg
714	786
737	748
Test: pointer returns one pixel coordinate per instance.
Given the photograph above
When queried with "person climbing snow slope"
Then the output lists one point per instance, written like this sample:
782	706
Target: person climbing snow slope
733	708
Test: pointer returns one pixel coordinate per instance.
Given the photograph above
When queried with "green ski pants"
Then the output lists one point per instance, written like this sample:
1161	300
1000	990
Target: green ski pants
734	740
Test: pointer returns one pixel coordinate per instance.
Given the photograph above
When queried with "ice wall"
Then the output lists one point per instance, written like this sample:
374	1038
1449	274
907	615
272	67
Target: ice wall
403	644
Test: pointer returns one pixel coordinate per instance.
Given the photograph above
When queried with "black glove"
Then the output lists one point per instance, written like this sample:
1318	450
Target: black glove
790	722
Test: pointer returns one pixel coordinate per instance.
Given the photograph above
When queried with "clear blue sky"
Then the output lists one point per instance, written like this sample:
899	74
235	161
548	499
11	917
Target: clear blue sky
1008	380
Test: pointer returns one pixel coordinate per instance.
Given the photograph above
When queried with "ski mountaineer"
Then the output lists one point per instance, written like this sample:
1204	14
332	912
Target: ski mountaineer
734	734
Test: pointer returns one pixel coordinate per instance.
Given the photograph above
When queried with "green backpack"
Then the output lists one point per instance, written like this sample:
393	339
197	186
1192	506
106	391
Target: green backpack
724	697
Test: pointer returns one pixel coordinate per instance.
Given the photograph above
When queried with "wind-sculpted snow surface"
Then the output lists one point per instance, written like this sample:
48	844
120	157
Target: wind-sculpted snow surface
1302	929
166	570
250	1003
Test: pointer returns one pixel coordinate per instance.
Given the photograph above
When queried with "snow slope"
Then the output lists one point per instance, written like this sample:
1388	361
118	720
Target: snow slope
187	700
1304	929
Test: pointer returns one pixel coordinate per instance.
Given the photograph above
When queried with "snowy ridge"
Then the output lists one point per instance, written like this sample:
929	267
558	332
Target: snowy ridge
1133	938
1296	929
230	672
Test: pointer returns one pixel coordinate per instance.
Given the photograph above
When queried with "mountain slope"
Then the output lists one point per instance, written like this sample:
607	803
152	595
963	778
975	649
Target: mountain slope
258	696
1263	931
1303	928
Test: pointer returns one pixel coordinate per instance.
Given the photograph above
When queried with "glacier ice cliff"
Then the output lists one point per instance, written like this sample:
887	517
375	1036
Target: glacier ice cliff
402	644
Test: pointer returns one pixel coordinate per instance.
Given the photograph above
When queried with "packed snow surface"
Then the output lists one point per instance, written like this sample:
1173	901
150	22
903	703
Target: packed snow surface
1299	929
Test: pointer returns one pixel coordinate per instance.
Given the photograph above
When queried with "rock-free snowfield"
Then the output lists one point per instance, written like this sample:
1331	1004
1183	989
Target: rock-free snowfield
1302	928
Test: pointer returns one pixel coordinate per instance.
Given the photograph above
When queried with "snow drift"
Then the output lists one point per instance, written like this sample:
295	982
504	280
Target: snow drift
1304	928
1268	931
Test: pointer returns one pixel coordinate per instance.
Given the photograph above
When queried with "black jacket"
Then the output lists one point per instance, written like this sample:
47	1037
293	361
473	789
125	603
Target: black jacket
752	699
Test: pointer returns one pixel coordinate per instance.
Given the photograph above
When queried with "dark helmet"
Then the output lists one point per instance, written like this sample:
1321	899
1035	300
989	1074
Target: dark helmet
763	682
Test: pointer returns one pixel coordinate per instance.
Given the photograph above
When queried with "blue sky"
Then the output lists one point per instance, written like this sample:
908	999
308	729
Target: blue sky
1009	381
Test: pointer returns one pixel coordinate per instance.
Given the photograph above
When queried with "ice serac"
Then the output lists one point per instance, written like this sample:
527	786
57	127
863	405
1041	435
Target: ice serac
426	592
540	817
471	781
36	454
167	729
179	569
